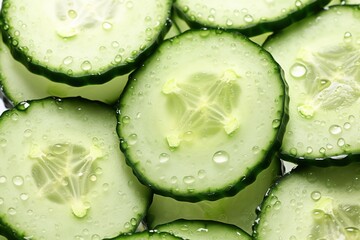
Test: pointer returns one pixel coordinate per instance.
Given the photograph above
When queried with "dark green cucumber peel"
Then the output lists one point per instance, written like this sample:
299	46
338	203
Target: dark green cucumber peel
268	26
242	182
76	81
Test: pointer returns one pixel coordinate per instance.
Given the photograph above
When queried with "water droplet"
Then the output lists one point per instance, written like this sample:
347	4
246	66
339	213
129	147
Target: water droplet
248	18
276	123
229	22
129	4
293	151
309	150
95	237
298	70
318	214
347	37
24	196
347	125
125	119
1	201
3	142
322	150
306	111
86	66
298	3
3	179
221	157
105	187
14	116
256	149
164	157
18	180
173	180
341	142
315	195
335	129
201	174
72	14
93	177
27	133
68	60
106	25
115	44
211	18
118	58
11	211
189	179
132	139
277	205
352	231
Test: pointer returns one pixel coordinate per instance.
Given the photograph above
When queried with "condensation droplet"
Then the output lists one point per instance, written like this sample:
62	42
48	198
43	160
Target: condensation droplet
306	111
298	70
125	119
164	157
27	133
221	157
24	196
72	14
276	123
1	201
3	179
18	180
248	18
68	60
298	3
106	25
347	126
132	139
189	179
293	151
341	142
335	129
86	66
347	37
201	174
11	211
315	195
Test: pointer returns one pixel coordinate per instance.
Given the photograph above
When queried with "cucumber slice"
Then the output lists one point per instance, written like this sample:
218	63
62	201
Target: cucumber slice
20	85
238	210
203	116
148	235
313	203
251	18
203	230
351	2
62	174
320	59
83	42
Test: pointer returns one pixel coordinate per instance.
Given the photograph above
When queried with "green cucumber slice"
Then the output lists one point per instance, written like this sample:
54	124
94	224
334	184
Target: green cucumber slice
148	235
249	17
203	230
320	58
20	85
239	210
83	42
62	174
207	105
313	203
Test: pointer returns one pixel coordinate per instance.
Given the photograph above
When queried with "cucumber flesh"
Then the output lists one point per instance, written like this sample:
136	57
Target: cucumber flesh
312	203
319	56
216	112
45	36
203	230
62	174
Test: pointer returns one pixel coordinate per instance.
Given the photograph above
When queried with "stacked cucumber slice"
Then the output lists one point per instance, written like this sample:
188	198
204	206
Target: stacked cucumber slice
174	119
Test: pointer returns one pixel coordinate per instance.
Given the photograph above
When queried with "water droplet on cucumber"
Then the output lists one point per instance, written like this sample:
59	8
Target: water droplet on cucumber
221	157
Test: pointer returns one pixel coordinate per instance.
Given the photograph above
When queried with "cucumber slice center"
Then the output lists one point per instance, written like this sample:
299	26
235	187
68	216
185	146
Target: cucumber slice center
330	77
72	16
334	221
64	173
202	102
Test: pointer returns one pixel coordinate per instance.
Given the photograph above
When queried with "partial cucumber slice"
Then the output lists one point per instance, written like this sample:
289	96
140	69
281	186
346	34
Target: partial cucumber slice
148	235
62	175
203	116
82	42
313	203
249	17
19	84
351	1
206	230
320	58
239	210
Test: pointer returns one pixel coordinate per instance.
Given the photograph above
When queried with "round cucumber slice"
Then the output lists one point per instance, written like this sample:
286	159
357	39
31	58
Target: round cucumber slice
249	17
20	85
63	175
313	203
320	58
203	115
239	210
203	230
148	235
83	42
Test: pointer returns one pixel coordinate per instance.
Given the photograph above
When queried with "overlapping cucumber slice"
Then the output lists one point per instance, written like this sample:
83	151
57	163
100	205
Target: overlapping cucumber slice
313	203
251	18
62	175
203	116
83	42
320	58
